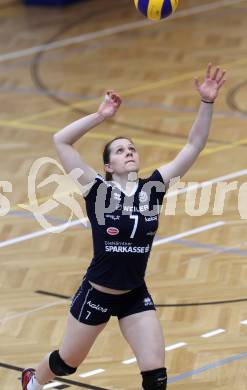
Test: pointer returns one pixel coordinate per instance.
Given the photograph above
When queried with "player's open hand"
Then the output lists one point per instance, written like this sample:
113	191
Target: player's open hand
110	105
209	89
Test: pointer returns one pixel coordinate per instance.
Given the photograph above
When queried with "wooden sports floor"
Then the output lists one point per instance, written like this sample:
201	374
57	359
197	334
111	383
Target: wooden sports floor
55	64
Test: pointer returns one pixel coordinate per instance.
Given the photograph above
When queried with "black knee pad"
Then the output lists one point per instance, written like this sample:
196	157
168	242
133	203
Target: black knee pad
58	366
155	379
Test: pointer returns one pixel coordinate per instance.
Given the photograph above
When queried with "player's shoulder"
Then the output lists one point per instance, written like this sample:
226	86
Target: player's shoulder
97	184
155	176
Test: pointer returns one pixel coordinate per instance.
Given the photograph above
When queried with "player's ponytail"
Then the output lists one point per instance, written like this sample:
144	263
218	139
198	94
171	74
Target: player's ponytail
106	155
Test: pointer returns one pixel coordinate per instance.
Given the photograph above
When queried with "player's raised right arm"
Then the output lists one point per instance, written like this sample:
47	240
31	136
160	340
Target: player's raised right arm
65	138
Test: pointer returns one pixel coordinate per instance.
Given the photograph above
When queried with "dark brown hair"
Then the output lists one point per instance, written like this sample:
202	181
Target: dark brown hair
106	154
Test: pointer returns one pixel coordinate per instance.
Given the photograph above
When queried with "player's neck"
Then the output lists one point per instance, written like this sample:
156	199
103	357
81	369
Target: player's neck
126	183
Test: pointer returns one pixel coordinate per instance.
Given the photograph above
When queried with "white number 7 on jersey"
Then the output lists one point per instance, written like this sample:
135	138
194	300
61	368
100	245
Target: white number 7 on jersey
135	217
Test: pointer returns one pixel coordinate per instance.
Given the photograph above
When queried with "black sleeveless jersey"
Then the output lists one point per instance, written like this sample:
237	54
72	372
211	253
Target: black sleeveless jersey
123	229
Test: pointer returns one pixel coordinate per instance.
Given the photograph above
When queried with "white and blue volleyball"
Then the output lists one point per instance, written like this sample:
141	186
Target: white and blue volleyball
156	9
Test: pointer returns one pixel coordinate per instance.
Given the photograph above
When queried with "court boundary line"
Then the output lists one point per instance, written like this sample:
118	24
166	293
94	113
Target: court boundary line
60	379
171	380
3	320
187	233
207	367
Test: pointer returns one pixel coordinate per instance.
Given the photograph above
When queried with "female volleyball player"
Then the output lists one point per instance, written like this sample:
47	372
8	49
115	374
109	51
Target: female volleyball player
123	211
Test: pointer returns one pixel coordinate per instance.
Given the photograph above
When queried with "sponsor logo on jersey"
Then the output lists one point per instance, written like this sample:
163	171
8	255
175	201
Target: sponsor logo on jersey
147	301
114	217
141	208
143	196
97	307
113	231
118	243
127	249
150	219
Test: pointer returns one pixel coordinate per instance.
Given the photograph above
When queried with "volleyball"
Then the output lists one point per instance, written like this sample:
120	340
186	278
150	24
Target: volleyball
156	9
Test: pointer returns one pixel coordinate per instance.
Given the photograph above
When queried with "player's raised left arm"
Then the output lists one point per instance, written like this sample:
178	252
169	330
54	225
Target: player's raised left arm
198	135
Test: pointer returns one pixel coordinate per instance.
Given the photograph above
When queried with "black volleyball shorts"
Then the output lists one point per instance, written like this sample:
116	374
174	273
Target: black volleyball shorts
93	307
